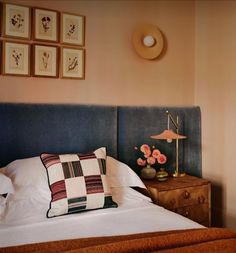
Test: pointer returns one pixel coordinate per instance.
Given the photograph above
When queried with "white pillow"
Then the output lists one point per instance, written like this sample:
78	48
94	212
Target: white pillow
121	175
30	171
32	194
6	187
5	184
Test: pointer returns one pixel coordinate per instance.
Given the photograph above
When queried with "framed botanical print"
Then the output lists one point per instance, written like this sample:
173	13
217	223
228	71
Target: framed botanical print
72	63
15	58
16	21
45	25
45	61
72	29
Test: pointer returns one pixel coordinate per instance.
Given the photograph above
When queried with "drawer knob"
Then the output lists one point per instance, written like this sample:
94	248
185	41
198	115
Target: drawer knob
201	199
186	195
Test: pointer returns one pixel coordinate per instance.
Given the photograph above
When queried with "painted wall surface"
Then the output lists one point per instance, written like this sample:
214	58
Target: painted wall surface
115	74
215	92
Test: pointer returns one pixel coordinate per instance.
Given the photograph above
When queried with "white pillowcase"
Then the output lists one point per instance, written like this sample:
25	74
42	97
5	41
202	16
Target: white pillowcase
5	184
30	180
28	171
6	187
121	175
31	172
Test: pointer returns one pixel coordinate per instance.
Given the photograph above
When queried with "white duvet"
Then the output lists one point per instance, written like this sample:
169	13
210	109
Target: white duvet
25	222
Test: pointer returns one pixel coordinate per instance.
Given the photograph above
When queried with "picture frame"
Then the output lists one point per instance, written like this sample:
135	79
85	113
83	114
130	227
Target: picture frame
72	29
45	25
15	58
72	63
45	61
16	22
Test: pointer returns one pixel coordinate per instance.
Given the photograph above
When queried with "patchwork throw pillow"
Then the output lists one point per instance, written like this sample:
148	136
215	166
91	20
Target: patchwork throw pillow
77	182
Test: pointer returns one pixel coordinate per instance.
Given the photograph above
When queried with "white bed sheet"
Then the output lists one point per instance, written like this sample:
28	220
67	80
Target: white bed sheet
135	214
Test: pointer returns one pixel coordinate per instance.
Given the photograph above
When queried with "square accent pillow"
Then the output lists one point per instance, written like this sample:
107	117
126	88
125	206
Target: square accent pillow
77	182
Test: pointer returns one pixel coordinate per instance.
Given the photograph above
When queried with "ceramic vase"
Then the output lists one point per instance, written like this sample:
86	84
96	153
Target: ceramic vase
148	172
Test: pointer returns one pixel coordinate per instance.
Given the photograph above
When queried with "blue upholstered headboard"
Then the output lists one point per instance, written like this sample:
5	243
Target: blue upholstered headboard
26	130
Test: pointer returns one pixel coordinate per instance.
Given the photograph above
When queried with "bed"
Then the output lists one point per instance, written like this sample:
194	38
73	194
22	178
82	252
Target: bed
136	225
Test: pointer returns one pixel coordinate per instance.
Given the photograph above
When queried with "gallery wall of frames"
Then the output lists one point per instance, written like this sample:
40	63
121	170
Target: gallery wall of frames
41	42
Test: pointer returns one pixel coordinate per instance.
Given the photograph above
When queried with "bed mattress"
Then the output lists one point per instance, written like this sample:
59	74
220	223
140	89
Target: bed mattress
135	214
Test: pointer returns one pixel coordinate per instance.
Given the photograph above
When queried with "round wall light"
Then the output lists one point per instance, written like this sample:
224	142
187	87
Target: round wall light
148	41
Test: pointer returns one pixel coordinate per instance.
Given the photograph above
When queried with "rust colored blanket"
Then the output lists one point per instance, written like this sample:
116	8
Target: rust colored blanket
206	240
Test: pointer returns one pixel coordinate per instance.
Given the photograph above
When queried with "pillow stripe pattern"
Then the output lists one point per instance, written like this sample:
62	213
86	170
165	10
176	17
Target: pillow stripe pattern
77	182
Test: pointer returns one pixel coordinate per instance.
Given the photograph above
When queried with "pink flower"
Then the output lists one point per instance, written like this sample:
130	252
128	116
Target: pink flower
151	160
147	154
156	153
150	155
141	162
145	148
161	159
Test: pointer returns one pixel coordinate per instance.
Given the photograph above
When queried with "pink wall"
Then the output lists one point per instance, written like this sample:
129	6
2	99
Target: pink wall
115	74
215	92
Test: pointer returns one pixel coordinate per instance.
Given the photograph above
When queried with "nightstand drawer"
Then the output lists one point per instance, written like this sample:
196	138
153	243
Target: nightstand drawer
198	213
189	196
184	197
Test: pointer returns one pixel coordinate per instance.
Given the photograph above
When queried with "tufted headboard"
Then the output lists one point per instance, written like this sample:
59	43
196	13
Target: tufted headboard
26	130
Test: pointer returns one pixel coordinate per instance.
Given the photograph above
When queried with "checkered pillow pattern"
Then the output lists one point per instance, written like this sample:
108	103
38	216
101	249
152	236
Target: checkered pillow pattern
77	182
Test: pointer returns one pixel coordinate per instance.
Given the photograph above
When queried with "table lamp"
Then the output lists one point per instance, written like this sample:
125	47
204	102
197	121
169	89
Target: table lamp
170	135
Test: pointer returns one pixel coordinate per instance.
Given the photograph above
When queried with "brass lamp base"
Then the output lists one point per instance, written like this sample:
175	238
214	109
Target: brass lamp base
178	174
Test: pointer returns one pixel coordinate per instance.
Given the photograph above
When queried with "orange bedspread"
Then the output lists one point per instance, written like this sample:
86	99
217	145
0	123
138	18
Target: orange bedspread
206	240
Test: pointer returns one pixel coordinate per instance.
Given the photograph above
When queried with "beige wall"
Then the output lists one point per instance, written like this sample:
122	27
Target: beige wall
114	73
197	68
215	92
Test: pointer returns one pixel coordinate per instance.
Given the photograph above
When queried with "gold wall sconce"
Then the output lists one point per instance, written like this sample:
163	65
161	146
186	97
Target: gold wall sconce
148	41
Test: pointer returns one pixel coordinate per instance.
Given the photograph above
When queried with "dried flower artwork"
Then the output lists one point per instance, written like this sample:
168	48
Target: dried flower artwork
45	59
46	23
73	62
17	21
71	30
17	57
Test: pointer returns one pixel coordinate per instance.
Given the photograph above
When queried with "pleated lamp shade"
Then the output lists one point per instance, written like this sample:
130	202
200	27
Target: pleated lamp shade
167	135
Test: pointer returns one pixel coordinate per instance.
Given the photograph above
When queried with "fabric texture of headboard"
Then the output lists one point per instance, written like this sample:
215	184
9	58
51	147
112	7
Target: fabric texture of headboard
137	124
27	130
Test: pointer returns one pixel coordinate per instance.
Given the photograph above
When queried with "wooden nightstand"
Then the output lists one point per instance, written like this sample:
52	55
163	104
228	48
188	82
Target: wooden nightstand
189	196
